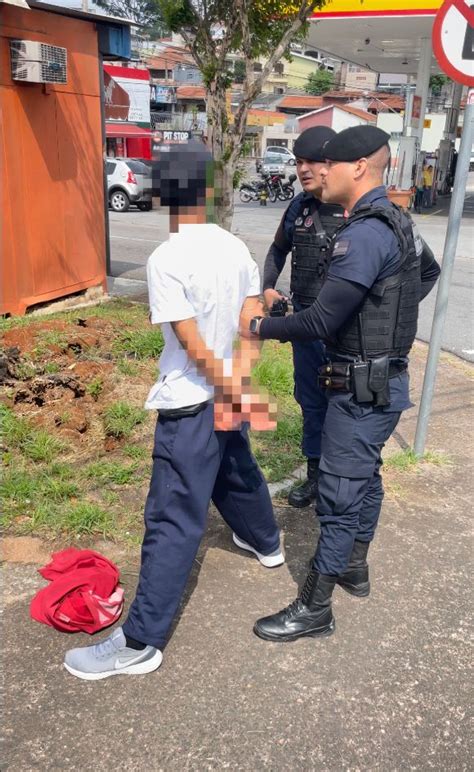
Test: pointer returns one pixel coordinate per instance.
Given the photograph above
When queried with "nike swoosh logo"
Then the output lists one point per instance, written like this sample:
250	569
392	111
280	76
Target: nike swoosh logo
125	662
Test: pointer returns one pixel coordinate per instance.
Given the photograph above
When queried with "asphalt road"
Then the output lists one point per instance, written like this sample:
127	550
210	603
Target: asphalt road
135	234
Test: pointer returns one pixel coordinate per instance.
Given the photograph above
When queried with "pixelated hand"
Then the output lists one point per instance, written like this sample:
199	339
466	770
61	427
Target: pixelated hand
254	409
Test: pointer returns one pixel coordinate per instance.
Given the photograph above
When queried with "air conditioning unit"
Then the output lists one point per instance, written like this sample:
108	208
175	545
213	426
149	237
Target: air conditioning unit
36	62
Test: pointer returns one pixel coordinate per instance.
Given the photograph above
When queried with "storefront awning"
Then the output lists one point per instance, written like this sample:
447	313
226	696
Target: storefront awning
126	130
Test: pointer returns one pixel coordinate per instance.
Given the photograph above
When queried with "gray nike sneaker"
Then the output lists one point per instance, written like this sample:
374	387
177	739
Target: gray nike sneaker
111	657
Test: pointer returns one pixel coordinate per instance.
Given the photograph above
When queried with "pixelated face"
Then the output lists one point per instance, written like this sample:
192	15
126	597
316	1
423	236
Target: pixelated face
183	175
309	174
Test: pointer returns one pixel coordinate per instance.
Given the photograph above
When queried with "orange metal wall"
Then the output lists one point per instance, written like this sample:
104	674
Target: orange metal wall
53	231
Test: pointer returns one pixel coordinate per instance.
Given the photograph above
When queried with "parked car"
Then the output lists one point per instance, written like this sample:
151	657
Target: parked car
272	164
128	182
286	155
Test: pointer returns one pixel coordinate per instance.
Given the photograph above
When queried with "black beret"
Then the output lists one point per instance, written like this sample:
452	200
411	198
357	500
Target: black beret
354	143
309	144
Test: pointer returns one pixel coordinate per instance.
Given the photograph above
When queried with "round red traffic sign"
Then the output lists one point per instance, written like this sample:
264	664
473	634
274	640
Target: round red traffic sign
453	40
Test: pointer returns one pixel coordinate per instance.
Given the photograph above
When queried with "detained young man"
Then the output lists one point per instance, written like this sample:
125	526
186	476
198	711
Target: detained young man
202	284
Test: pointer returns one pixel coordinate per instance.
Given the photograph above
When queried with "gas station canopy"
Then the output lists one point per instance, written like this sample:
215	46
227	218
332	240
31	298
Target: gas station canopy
383	35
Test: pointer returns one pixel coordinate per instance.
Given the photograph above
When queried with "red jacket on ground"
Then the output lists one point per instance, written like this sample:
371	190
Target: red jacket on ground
83	594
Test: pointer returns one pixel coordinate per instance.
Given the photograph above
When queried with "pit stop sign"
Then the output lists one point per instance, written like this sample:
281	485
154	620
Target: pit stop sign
453	40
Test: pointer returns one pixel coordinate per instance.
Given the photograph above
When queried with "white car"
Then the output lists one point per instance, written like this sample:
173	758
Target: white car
128	182
287	156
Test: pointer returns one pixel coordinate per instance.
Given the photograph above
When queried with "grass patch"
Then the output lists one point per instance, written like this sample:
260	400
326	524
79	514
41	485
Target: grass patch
137	452
41	446
51	367
274	370
110	472
127	368
407	460
25	370
121	418
35	444
139	344
87	518
278	452
95	388
33	494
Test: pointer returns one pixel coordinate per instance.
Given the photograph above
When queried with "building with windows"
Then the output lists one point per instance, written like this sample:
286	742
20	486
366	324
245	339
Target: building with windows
349	76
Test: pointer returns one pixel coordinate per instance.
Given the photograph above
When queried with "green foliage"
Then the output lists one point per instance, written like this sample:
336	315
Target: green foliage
51	367
136	451
407	460
121	418
437	82
319	82
145	12
140	344
126	367
94	388
274	370
239	71
18	433
25	370
87	518
268	21
23	492
111	472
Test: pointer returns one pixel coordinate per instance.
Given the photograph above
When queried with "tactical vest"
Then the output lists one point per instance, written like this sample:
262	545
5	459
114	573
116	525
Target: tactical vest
311	248
387	320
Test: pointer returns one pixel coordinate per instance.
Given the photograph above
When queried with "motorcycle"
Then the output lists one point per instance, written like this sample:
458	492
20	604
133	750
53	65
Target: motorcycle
254	190
286	190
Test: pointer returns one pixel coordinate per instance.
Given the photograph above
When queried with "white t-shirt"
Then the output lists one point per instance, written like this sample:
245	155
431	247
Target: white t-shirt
203	272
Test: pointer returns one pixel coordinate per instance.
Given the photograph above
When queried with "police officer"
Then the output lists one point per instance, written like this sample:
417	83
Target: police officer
306	230
366	313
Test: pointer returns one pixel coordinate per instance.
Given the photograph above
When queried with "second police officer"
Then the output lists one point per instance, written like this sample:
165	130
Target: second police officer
366	313
306	229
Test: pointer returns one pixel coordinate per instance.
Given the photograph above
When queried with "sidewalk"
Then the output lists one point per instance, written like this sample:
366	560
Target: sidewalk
389	691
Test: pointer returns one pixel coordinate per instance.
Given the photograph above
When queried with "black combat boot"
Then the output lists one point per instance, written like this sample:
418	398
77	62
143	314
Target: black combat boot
355	578
304	494
309	615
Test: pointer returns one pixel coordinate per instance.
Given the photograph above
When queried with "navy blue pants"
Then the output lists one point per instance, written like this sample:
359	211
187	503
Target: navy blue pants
350	490
192	464
307	357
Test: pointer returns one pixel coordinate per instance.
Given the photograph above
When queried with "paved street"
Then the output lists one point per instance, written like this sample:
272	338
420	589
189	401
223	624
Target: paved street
135	234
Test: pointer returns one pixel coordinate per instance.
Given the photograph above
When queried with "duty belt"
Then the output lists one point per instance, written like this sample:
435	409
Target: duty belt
367	380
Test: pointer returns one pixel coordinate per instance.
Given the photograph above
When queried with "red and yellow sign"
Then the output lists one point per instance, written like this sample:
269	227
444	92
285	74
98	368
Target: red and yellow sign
351	8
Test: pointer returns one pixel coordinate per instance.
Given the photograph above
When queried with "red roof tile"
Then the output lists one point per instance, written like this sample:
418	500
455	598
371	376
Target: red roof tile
357	111
301	102
191	92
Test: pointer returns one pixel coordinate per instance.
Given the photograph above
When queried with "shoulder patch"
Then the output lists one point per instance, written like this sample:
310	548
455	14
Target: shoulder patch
341	247
417	239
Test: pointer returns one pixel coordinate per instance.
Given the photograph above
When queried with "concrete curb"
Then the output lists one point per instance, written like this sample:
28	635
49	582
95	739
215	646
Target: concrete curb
117	286
283	485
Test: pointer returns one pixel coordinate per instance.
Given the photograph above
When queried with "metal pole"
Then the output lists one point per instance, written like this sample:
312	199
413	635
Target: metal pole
450	244
108	267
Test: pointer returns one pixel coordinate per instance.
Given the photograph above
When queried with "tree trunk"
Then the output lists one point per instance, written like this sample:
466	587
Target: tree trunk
222	145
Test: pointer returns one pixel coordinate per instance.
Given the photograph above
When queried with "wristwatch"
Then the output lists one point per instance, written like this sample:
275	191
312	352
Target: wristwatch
255	324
